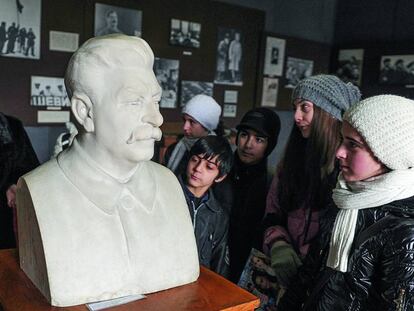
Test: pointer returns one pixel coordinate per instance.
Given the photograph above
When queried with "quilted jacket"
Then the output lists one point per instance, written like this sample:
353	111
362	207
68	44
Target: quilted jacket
380	272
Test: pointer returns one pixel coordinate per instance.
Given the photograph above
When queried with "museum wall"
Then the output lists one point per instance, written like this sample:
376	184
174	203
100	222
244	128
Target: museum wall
303	19
196	64
380	28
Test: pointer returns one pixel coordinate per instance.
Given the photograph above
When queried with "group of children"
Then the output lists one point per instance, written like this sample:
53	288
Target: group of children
338	224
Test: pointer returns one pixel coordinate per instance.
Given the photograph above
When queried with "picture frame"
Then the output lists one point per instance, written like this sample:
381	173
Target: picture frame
20	23
274	56
115	19
229	61
167	73
185	33
189	89
297	69
397	70
350	63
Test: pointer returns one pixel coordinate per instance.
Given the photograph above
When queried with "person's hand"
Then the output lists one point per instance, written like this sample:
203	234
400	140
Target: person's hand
11	196
285	262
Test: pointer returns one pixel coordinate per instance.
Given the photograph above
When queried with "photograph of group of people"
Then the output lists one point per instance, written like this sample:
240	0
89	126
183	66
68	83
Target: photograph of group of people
397	70
185	33
48	91
297	69
20	28
229	57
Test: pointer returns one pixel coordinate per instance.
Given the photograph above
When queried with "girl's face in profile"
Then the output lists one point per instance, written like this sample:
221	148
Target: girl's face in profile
303	115
355	157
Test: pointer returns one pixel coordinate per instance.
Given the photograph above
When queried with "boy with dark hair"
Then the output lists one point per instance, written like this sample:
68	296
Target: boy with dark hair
211	159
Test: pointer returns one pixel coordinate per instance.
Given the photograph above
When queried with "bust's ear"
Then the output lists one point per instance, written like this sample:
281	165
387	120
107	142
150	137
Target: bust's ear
82	110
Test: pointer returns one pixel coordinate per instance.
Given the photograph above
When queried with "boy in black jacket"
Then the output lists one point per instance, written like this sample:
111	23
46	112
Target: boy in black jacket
210	161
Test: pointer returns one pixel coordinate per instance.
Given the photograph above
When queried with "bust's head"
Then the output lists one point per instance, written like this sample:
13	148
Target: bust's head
114	96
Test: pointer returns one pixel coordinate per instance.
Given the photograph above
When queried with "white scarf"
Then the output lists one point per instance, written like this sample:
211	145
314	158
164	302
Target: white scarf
353	196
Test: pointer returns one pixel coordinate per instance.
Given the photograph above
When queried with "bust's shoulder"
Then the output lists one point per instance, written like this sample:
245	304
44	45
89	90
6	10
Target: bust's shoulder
47	170
161	170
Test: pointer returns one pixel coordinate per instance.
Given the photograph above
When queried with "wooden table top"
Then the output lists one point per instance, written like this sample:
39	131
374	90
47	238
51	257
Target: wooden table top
209	292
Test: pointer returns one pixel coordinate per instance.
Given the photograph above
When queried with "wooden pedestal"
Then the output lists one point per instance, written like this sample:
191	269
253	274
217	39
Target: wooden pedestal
209	292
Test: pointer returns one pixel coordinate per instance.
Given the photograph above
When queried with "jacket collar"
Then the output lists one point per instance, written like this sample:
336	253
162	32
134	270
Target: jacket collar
105	191
241	170
208	198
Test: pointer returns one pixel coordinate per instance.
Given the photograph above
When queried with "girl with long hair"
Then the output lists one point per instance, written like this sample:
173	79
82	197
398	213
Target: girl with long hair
363	259
303	184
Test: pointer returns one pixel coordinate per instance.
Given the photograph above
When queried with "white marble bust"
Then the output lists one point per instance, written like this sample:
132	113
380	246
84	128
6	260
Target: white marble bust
101	221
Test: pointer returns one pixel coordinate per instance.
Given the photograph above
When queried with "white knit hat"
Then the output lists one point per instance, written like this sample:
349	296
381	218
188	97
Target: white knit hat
205	110
386	122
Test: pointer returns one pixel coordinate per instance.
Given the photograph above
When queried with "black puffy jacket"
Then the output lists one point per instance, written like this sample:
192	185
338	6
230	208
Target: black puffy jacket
380	269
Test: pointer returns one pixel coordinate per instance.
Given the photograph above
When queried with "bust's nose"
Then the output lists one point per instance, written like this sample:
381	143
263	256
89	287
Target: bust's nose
153	116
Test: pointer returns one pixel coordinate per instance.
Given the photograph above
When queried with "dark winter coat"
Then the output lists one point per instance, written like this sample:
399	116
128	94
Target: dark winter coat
380	269
211	224
250	185
17	157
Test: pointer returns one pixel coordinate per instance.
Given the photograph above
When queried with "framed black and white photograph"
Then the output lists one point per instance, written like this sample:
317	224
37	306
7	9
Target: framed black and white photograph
350	65
274	56
229	111
189	89
397	70
229	65
185	33
20	28
48	92
269	92
297	69
167	72
114	19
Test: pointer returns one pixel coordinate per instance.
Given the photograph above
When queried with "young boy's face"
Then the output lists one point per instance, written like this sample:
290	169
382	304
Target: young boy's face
202	173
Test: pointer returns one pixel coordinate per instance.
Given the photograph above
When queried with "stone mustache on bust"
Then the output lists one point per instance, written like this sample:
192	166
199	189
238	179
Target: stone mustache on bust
101	221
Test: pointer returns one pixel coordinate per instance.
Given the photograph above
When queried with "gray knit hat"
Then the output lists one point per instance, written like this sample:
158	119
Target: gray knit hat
329	93
386	122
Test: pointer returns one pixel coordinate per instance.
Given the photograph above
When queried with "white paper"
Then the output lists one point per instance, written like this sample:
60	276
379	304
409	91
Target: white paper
230	97
63	41
229	111
269	94
100	305
44	116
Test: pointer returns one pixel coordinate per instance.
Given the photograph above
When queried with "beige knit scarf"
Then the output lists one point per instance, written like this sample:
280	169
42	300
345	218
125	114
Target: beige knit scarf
353	196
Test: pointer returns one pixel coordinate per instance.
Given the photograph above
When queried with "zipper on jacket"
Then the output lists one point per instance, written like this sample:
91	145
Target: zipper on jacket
400	301
195	211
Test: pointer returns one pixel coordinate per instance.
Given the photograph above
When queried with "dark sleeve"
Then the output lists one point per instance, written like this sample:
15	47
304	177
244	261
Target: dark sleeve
224	193
397	271
308	274
220	262
24	158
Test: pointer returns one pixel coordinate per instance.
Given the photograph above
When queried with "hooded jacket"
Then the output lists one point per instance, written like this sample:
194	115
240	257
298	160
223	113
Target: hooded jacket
380	272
